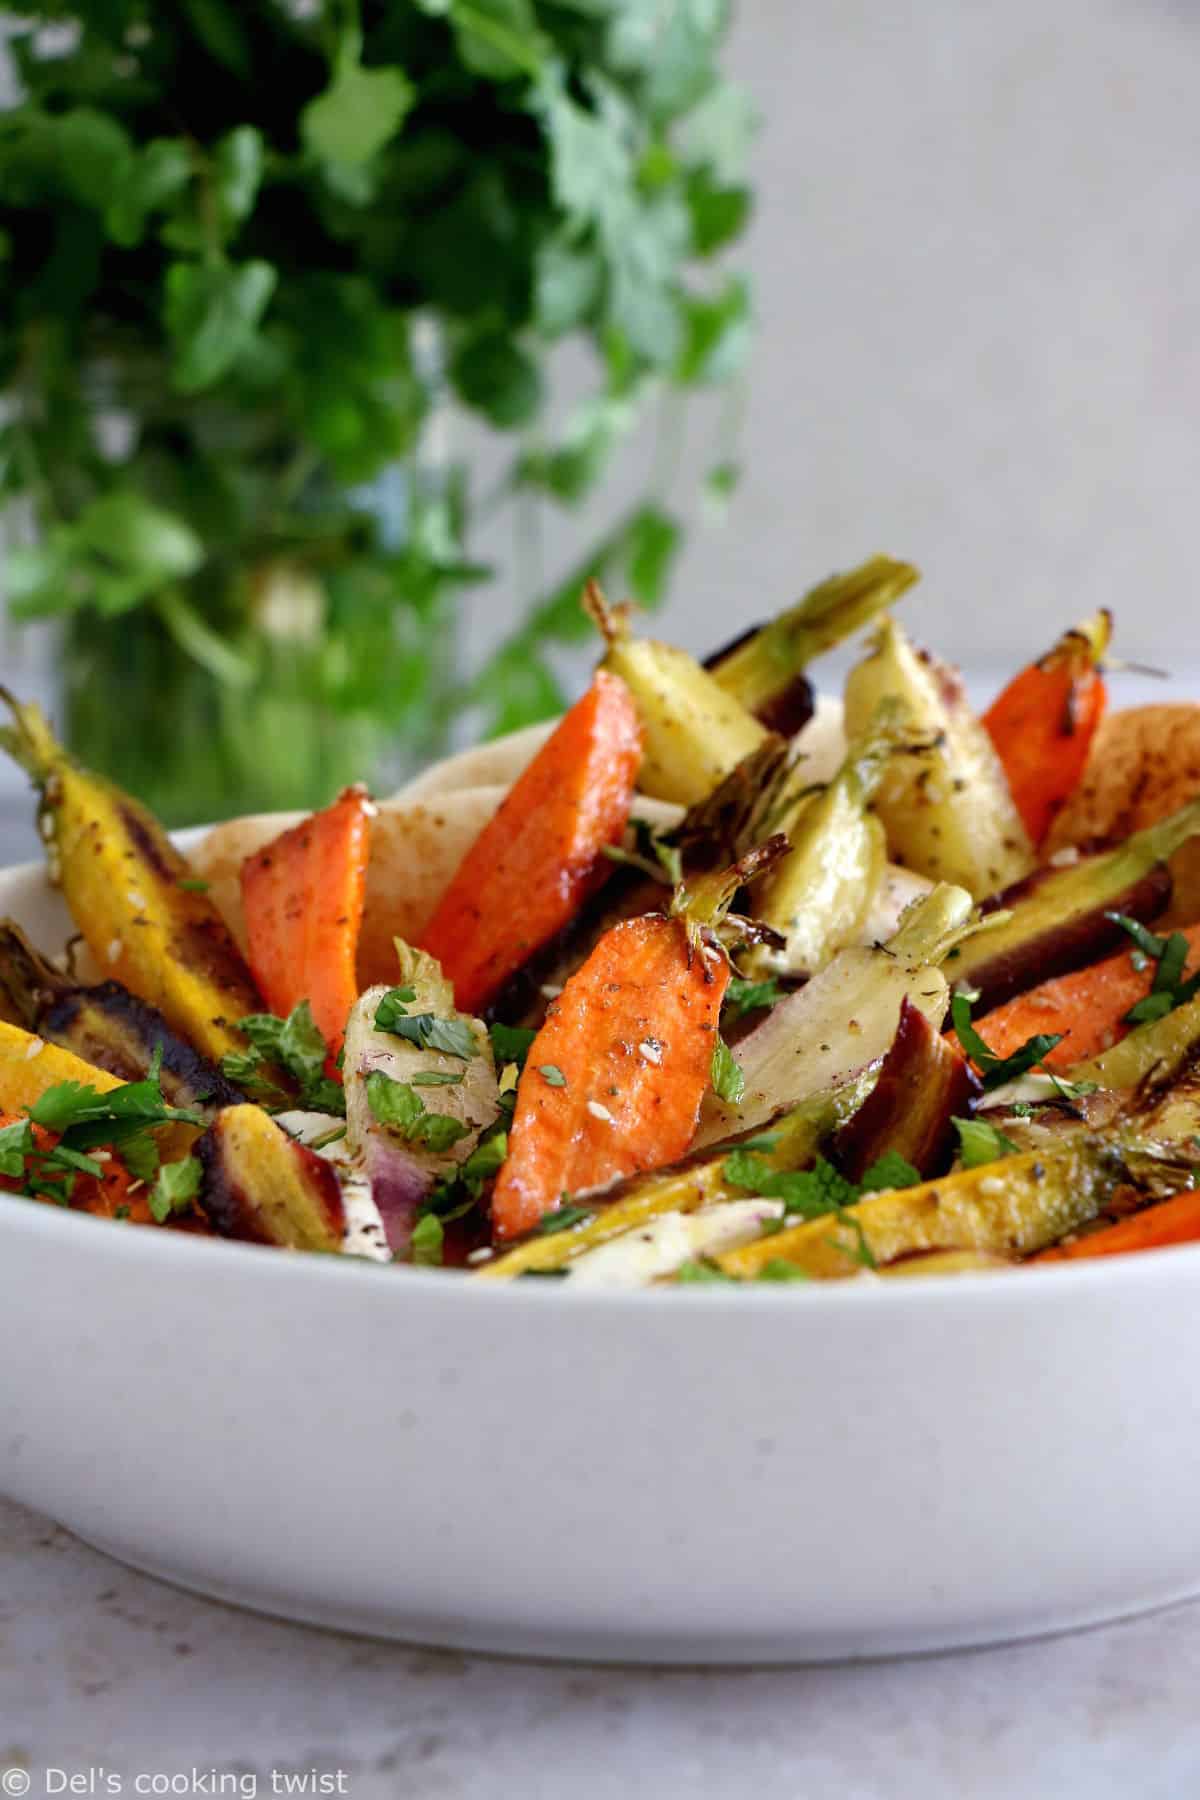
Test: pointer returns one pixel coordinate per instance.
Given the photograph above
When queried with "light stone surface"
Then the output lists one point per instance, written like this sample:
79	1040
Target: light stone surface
103	1668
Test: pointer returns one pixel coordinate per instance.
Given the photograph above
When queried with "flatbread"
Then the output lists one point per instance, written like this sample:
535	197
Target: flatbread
416	847
485	765
1144	765
421	833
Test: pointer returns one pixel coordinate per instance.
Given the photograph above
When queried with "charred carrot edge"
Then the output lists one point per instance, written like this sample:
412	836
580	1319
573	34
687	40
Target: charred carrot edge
303	900
1174	1221
614	1079
541	855
1043	723
1087	1007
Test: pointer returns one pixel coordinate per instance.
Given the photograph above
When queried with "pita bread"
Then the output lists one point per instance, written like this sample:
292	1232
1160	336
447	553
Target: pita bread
416	847
485	765
1143	766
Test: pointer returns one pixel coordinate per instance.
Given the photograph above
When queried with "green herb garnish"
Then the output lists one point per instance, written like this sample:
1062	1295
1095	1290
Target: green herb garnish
699	1271
293	1044
981	1143
399	1107
83	1119
779	1269
891	1171
453	1037
564	1219
175	1188
437	1078
742	997
1168	990
551	1073
510	1043
996	1070
728	1077
427	1241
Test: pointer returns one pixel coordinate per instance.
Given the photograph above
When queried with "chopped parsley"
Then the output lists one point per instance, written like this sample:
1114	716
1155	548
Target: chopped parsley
427	1241
700	1270
981	1143
193	885
742	997
399	1107
891	1171
806	1193
453	1037
779	1269
510	1043
728	1077
564	1219
996	1070
437	1078
175	1187
123	1119
552	1074
1169	955
293	1044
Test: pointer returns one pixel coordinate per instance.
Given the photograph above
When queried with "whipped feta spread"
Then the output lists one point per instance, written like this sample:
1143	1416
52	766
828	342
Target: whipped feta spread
364	1233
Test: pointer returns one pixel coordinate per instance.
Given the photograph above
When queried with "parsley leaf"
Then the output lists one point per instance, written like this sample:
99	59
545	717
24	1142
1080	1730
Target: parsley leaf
437	1078
564	1219
996	1070
742	997
981	1143
293	1044
16	1143
891	1171
728	1077
552	1074
699	1271
779	1269
427	1240
177	1185
1168	989
453	1037
510	1043
809	1193
399	1106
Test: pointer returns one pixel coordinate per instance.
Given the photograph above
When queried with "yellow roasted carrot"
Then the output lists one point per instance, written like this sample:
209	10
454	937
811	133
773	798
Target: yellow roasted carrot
127	887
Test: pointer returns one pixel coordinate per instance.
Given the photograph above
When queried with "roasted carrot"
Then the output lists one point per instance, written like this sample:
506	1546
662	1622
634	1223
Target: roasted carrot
1174	1221
1043	723
540	856
1087	1007
107	1195
614	1079
303	900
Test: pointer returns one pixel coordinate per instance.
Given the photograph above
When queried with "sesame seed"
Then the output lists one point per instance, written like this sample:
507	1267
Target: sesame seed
651	1049
114	950
136	900
550	990
483	1254
599	1112
36	1046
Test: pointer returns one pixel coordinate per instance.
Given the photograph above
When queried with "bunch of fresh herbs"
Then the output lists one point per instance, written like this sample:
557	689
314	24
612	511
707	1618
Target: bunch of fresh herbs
251	250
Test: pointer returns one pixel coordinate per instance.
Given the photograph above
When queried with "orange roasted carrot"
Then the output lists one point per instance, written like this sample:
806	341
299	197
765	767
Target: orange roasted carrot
1174	1221
541	855
303	900
1088	1007
613	1081
1043	723
107	1195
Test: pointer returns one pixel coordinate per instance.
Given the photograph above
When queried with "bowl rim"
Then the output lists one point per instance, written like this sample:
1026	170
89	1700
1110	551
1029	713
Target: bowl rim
58	1229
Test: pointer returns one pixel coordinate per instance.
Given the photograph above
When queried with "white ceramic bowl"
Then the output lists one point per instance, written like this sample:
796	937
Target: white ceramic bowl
695	1475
